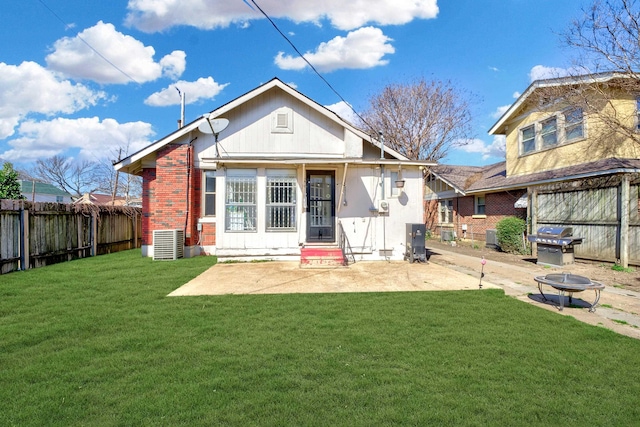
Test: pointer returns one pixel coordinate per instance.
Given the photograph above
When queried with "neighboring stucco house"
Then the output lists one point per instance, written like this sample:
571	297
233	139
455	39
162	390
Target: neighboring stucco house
285	174
574	168
35	191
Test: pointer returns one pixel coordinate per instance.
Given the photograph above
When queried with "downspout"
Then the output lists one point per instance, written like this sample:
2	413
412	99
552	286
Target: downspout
189	160
384	222
344	177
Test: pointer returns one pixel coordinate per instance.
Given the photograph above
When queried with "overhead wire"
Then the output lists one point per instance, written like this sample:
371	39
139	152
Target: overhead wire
306	60
66	25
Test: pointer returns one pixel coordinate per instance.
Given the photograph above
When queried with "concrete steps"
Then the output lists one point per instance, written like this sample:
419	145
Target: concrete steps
321	257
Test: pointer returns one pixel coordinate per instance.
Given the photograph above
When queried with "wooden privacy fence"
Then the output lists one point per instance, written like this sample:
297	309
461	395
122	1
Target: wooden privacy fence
603	211
37	234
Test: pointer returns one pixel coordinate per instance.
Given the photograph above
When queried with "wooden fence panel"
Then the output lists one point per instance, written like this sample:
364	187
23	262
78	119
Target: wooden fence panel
594	215
56	232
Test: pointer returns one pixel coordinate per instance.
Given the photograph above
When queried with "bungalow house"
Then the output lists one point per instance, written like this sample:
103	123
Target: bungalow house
272	174
107	200
568	163
35	191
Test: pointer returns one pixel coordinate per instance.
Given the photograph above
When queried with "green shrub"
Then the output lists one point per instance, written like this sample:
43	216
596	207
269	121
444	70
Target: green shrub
509	232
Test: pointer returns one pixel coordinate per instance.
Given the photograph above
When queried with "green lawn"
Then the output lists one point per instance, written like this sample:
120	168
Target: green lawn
97	342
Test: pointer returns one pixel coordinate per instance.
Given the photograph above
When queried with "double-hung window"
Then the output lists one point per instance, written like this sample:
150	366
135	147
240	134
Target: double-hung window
528	139
573	124
281	200
210	193
446	211
549	132
240	200
480	205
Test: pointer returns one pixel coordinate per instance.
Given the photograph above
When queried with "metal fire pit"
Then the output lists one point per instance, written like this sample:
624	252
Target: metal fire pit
555	245
569	283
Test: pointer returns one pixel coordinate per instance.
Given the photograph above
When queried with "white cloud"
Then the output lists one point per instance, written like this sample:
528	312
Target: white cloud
497	148
500	111
540	72
129	58
516	95
202	89
157	15
360	49
93	138
30	88
344	110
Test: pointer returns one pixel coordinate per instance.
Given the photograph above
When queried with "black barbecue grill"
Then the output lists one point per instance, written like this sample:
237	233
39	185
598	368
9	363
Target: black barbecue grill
555	245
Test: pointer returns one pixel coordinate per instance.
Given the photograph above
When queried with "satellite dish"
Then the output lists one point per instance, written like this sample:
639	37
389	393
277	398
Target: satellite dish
213	126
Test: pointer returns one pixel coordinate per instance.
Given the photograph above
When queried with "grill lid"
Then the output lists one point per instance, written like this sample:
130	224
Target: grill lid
556	232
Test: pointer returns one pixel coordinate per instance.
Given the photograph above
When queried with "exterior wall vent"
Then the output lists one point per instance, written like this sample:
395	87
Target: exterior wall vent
168	244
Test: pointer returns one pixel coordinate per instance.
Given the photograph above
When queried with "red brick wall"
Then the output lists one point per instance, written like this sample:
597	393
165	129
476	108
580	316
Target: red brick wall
497	207
165	195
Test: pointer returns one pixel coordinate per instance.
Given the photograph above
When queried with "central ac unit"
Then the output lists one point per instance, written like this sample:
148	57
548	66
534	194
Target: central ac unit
168	244
383	207
491	239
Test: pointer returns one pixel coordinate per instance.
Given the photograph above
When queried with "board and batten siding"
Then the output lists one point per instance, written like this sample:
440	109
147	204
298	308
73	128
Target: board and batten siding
594	215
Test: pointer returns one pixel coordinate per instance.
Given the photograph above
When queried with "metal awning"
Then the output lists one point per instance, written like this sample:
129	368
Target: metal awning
522	202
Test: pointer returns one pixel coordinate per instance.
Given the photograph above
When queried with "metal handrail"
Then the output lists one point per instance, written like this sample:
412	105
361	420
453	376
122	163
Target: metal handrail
345	246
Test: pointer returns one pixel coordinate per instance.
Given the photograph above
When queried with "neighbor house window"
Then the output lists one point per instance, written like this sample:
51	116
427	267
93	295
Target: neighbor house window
573	124
281	200
638	113
549	132
240	200
528	139
480	205
59	199
446	211
210	193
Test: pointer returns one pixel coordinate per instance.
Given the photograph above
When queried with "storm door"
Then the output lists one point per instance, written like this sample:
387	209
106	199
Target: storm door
321	207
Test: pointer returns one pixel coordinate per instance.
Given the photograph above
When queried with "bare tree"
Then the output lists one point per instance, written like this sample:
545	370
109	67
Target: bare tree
605	46
421	119
74	177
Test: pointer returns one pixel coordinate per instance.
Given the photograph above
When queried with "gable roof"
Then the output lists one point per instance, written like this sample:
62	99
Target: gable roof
29	187
132	163
486	179
499	127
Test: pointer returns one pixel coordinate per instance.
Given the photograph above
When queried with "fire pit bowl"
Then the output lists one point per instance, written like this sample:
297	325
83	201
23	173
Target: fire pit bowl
569	283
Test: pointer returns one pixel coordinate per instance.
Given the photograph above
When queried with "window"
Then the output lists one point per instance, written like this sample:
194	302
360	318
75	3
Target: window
446	211
638	113
573	124
210	193
480	206
281	200
395	191
59	199
549	132
528	139
240	200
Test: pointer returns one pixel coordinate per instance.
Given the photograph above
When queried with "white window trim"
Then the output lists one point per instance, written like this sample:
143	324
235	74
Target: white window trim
204	194
561	136
290	175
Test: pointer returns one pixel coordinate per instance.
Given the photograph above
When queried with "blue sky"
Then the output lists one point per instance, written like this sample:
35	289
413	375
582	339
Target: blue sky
84	78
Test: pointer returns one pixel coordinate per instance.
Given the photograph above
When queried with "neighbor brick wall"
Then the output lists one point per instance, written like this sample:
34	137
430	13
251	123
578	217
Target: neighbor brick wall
497	207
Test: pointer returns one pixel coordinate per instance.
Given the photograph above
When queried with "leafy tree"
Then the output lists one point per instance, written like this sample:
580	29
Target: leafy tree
421	119
9	184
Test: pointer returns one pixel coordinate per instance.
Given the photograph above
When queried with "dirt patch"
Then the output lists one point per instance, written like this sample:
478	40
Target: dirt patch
599	271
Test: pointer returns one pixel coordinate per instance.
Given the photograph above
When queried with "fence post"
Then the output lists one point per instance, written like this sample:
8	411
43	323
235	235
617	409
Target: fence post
94	233
24	239
624	221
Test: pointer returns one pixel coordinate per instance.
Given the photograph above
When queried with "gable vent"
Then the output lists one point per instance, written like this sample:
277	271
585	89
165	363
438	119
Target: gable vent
282	120
168	244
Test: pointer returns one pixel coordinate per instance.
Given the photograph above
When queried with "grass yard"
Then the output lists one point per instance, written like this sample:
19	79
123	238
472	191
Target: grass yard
97	342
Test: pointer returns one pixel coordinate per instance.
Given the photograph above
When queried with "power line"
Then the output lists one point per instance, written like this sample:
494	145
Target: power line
87	43
307	61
